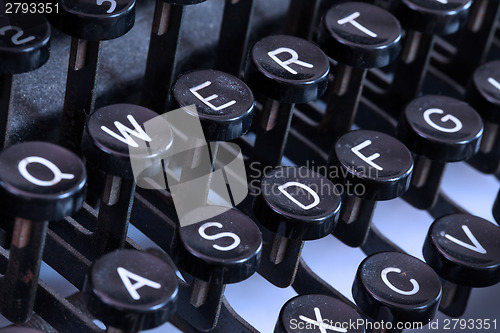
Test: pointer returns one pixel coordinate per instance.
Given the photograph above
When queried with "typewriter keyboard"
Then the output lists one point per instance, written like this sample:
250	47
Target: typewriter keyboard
249	166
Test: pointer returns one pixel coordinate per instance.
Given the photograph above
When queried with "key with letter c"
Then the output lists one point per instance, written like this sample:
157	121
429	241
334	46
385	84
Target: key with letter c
396	287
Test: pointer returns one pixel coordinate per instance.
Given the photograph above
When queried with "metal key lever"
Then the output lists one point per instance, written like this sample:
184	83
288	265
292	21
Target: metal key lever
280	259
88	24
203	315
302	18
80	90
422	20
234	35
19	282
61	313
477	35
228	320
163	61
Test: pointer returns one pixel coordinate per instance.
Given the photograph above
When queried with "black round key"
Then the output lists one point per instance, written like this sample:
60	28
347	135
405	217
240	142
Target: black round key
464	249
95	20
224	103
381	164
297	203
441	128
483	91
41	181
131	290
306	313
287	69
225	248
24	42
19	330
360	35
397	286
109	143
434	17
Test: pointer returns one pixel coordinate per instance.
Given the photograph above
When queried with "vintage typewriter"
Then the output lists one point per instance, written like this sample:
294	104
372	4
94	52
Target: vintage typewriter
345	178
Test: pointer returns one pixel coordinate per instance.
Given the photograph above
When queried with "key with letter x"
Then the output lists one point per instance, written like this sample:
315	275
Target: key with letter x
318	313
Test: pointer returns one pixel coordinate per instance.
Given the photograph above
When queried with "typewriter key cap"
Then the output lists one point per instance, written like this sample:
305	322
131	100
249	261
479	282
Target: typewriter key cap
39	182
297	203
465	252
422	20
224	103
116	144
438	130
94	20
322	313
223	249
114	135
286	70
293	205
131	290
395	287
483	94
24	46
162	63
367	167
88	22
358	36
